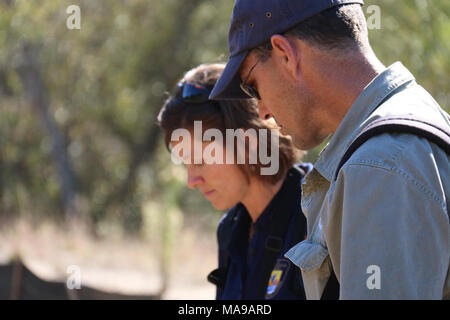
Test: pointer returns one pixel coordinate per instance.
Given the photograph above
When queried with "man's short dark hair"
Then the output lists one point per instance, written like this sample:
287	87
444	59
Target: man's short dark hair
339	28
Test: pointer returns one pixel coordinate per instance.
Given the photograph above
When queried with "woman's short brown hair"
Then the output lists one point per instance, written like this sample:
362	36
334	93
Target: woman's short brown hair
222	115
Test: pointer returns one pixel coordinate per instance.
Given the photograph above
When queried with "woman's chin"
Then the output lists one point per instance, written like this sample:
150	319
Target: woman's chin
221	206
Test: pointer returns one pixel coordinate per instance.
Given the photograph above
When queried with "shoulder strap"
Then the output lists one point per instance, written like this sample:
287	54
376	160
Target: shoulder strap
434	132
279	223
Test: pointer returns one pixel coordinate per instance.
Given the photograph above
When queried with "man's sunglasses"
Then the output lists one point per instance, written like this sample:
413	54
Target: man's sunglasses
192	93
248	89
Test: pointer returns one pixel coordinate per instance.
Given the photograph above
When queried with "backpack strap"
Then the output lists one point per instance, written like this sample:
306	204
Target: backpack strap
434	132
278	226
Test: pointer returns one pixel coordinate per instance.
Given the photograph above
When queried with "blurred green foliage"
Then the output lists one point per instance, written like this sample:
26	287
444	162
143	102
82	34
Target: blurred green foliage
417	33
105	83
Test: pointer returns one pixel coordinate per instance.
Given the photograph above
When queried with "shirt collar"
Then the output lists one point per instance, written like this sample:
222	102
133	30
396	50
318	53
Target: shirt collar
368	101
282	197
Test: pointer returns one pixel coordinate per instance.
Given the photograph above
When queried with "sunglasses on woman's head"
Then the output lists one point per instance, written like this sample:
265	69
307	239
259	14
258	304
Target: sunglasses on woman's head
192	93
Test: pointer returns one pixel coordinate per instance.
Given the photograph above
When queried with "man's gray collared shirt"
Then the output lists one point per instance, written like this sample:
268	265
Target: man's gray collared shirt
383	224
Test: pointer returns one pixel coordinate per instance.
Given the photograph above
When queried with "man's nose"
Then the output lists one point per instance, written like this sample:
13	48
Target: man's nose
264	113
194	178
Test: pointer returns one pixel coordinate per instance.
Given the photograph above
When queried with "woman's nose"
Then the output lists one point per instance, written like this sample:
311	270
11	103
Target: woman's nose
194	179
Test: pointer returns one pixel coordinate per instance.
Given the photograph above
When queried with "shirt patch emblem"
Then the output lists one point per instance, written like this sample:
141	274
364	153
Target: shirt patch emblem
277	278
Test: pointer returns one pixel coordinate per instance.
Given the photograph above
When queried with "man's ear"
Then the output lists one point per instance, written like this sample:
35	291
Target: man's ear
285	53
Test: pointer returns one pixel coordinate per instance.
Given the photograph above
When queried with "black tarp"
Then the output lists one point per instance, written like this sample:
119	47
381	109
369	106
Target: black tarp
18	282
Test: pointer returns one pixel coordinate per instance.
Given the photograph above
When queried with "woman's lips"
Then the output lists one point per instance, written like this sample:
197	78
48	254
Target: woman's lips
208	193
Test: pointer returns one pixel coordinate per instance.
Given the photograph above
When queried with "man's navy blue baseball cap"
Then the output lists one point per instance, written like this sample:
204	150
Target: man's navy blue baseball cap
253	22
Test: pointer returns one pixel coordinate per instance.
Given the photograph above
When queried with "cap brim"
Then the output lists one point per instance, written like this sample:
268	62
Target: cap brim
228	86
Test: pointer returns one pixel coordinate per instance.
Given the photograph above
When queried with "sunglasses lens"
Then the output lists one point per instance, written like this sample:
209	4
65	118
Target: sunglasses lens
250	91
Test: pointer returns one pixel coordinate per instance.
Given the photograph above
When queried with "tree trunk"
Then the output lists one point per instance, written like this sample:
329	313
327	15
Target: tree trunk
35	90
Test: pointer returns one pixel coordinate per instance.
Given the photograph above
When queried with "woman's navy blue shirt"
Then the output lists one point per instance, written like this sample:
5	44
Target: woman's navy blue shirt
242	258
